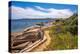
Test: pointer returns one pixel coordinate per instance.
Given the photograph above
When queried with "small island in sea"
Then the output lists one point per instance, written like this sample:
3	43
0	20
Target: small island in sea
37	27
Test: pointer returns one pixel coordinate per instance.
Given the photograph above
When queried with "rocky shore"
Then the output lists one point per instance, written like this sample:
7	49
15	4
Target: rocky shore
27	37
21	39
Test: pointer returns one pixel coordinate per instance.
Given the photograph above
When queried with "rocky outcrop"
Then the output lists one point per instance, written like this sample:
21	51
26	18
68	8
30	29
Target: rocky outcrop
20	41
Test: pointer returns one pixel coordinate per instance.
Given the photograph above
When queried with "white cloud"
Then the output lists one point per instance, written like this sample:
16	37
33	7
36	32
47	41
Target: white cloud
38	7
19	13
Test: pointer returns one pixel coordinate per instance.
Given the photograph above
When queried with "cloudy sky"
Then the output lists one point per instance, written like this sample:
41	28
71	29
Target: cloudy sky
21	10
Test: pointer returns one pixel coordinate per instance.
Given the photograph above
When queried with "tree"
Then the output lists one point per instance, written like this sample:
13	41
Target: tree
40	32
40	24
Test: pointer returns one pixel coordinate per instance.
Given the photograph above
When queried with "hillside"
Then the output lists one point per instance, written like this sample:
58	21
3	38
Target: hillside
64	34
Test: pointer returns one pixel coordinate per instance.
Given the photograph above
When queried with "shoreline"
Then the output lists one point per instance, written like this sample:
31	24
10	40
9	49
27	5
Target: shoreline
24	30
49	24
34	29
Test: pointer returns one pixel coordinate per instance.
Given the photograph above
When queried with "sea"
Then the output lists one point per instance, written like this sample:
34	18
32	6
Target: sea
18	25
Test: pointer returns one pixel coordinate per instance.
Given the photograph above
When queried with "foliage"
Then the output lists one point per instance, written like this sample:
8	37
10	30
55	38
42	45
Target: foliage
64	34
40	24
62	41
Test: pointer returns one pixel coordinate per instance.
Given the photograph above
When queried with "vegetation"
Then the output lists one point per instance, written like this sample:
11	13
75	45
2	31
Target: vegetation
64	34
40	24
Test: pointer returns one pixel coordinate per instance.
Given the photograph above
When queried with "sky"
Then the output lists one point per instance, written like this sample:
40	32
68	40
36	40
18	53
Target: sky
20	10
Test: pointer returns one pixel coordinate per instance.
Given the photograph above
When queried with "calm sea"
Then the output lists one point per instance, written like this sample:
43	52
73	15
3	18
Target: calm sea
20	24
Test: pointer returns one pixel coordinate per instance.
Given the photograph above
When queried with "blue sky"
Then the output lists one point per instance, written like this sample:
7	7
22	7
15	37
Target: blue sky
41	10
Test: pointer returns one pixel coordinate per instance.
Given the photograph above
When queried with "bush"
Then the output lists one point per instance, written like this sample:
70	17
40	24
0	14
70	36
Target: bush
62	41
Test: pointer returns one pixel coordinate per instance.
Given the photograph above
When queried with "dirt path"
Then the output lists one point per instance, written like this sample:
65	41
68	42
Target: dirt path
43	45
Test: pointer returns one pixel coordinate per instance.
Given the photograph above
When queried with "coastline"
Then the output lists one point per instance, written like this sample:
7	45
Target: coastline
31	28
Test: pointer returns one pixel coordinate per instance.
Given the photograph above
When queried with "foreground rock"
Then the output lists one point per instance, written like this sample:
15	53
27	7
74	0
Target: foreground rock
20	41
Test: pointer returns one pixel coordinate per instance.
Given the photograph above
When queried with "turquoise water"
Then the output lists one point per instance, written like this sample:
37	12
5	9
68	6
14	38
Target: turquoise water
20	24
